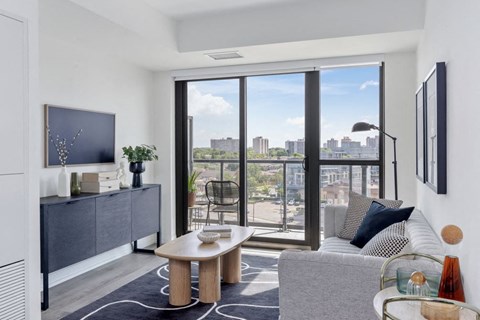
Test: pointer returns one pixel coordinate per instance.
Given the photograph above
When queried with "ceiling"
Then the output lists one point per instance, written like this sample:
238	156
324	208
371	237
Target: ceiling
181	9
178	33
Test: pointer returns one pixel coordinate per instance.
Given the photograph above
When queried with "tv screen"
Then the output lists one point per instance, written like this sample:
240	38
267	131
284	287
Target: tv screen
94	145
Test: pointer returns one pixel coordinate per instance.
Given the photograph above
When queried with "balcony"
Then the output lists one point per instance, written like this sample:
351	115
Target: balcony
276	192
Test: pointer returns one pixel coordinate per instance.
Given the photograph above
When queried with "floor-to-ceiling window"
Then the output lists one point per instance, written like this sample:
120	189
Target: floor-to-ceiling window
263	132
214	141
276	149
350	161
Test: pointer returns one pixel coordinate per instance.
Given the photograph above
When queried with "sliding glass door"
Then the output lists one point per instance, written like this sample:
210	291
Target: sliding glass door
286	141
350	161
275	153
214	144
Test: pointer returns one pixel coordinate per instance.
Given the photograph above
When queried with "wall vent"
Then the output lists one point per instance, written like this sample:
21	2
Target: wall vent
224	55
12	291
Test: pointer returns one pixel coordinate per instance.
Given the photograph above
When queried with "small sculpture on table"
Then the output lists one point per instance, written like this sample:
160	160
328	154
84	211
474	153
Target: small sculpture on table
122	176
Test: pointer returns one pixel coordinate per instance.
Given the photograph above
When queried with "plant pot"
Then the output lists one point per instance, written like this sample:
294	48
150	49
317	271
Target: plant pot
137	168
192	197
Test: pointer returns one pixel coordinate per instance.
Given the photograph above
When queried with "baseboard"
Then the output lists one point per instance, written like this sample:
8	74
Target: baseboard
84	266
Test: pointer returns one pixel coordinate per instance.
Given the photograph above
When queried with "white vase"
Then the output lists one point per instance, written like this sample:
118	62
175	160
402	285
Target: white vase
63	186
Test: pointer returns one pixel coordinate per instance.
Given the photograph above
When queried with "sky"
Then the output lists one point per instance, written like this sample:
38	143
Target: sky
275	106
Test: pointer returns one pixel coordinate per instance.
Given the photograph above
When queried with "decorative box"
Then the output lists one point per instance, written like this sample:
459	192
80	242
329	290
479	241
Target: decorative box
99	176
100	186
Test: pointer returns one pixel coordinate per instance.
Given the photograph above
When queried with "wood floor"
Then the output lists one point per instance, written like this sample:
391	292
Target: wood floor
78	292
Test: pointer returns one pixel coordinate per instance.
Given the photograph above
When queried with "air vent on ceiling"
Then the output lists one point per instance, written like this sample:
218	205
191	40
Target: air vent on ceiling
224	55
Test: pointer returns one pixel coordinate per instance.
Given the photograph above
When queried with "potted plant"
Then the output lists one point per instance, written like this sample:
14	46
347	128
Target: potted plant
192	188
137	156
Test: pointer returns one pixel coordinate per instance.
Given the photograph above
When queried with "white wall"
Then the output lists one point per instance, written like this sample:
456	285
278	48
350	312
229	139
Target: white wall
400	73
28	10
451	34
164	115
78	77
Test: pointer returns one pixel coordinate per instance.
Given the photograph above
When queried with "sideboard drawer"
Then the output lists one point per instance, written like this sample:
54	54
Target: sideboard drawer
145	212
114	221
71	233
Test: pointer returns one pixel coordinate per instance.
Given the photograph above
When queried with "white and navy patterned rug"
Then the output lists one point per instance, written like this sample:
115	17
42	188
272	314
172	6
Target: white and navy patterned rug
255	297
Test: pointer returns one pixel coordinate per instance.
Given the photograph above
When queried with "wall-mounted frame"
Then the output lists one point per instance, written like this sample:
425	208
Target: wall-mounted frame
435	91
420	133
95	144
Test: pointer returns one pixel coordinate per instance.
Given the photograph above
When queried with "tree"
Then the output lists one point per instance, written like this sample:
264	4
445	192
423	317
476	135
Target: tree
277	152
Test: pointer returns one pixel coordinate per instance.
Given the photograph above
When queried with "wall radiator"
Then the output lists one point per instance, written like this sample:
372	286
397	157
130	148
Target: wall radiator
12	291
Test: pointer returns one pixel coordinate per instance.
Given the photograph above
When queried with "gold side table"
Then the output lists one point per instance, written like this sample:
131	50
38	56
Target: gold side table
391	304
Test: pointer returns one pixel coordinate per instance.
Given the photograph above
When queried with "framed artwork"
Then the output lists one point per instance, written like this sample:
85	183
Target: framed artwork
435	91
96	143
420	133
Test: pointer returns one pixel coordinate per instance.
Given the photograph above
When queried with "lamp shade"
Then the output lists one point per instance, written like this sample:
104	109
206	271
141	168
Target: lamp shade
362	126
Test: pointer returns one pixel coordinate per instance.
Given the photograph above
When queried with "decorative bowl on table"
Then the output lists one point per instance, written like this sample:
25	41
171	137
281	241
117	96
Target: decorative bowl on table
208	237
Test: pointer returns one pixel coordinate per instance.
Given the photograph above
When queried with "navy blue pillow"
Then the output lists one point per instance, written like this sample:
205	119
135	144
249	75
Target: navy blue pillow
378	217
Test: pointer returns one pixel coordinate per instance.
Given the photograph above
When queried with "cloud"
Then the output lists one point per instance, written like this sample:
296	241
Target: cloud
277	85
369	83
206	103
297	121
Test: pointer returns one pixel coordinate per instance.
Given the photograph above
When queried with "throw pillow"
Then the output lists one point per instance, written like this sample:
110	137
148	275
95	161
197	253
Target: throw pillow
388	242
358	206
378	218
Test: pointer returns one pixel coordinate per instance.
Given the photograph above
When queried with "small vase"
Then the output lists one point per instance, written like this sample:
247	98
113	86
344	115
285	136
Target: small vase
63	186
451	286
137	168
74	185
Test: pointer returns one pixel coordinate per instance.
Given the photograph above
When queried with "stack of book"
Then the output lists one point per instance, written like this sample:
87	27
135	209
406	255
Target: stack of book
225	231
98	182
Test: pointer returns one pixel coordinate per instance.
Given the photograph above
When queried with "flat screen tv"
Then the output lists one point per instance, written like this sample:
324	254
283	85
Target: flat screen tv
94	145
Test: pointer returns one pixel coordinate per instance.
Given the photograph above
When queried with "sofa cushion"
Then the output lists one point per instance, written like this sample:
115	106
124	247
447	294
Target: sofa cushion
358	206
338	245
387	242
378	218
423	239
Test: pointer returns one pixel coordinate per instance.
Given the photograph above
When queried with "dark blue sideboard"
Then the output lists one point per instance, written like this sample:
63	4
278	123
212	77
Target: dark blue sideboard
79	227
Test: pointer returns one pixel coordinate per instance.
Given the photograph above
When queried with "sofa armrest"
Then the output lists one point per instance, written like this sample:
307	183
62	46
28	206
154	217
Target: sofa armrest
328	285
334	219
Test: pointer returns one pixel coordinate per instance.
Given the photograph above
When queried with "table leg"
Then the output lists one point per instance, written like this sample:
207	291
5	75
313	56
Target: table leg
209	280
232	266
180	282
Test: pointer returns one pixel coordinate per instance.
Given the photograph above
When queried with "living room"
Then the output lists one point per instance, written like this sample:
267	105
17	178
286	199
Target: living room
124	57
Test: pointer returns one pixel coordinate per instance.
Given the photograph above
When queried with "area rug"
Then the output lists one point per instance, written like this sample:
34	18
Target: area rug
255	297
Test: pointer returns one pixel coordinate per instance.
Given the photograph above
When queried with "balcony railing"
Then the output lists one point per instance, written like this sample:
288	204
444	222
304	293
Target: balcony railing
287	181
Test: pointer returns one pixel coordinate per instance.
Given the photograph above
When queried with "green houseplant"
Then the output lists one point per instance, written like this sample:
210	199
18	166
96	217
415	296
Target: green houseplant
192	188
137	156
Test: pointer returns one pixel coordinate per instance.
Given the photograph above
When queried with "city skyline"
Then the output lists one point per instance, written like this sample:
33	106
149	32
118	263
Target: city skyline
232	144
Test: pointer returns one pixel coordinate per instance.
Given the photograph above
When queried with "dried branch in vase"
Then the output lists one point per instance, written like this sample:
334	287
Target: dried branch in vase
61	146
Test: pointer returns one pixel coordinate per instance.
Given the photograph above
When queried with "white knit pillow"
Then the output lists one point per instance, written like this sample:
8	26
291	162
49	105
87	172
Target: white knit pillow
388	242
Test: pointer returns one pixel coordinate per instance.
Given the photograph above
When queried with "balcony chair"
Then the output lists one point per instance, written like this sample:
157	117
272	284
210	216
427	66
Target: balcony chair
224	196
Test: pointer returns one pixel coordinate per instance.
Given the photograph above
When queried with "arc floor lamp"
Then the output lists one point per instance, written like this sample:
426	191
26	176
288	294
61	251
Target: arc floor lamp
363	126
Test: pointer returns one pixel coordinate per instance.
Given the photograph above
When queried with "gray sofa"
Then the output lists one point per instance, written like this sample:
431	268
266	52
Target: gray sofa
336	282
